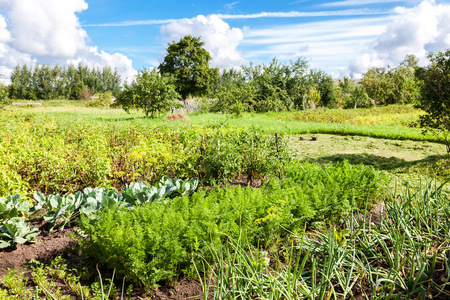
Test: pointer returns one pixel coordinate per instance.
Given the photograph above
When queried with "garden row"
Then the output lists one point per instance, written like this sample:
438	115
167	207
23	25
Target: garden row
153	238
160	242
401	253
61	210
41	153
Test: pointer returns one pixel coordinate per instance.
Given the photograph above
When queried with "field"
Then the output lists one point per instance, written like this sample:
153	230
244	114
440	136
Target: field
320	204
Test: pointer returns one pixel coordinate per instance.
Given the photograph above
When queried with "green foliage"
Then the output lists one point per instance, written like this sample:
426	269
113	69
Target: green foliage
324	83
4	101
313	97
234	98
273	87
138	193
435	96
225	156
15	282
60	209
15	230
278	86
158	241
69	82
11	207
351	95
151	92
103	100
392	116
395	85
188	62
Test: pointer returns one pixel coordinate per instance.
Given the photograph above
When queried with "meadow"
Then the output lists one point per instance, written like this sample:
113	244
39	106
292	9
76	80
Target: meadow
317	204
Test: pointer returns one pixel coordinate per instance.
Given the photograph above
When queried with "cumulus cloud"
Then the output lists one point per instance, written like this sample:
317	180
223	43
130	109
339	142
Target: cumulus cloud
49	32
418	30
221	41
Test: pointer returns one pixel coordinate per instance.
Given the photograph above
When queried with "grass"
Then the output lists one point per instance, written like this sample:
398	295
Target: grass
380	122
405	160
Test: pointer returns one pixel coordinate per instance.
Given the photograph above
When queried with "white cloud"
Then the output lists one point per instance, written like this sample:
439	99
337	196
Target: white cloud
329	45
277	14
418	30
48	31
301	14
221	41
363	2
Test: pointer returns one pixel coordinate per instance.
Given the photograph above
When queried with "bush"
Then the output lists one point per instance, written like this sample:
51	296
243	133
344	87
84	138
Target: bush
228	154
4	101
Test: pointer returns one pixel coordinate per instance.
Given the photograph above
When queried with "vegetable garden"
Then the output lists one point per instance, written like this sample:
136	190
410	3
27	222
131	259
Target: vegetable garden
220	208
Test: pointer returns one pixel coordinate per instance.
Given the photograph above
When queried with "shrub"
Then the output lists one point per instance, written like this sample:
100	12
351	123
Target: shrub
4	101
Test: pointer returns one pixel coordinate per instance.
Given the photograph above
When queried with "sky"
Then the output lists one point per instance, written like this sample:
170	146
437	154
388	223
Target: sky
340	37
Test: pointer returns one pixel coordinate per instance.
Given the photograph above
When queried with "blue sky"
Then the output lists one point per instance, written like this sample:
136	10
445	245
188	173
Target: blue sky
341	37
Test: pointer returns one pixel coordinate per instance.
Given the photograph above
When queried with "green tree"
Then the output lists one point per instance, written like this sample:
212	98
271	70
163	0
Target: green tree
351	95
325	85
279	86
152	92
393	85
435	96
188	62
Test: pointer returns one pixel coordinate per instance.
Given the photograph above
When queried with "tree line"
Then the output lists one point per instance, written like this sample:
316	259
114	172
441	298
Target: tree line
44	82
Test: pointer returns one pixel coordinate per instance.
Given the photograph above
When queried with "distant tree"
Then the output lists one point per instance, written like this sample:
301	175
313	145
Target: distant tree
279	86
410	61
325	85
152	92
435	96
233	93
351	95
393	85
53	82
188	62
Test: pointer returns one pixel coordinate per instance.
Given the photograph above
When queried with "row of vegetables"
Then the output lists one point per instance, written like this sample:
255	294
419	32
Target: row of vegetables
61	210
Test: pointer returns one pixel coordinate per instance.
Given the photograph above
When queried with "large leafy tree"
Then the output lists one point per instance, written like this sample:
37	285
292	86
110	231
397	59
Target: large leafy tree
188	62
435	96
152	92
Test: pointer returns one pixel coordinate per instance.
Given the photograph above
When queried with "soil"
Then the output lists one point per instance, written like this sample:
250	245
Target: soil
61	243
177	117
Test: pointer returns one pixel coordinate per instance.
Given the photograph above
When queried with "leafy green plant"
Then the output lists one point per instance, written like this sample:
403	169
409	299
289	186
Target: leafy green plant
138	193
15	282
16	230
98	199
11	207
61	209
